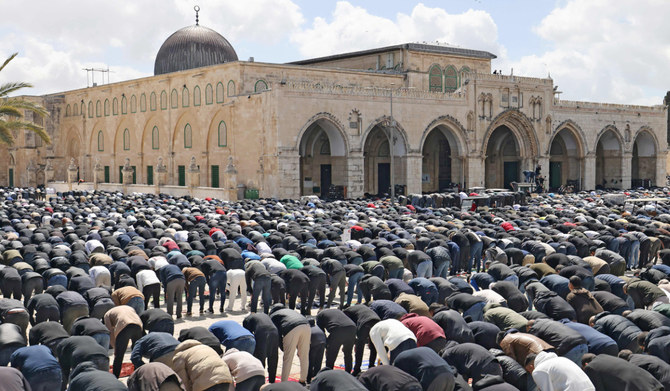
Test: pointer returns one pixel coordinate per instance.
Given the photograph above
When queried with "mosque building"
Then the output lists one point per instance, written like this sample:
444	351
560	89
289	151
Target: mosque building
425	117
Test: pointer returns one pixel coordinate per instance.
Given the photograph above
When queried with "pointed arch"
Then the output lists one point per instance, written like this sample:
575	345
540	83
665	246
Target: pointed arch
143	102
574	128
522	128
450	79
152	101
188	136
106	107
231	88
90	109
219	92
196	96
209	94
124	105
261	85
115	106
174	99
435	79
164	100
98	108
185	97
133	103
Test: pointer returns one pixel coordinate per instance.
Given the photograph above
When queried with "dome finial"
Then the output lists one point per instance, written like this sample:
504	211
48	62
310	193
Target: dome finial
197	9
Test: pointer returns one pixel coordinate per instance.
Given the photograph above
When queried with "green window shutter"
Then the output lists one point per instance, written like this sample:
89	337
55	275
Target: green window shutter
106	174
181	170
120	174
134	175
150	175
11	177
215	176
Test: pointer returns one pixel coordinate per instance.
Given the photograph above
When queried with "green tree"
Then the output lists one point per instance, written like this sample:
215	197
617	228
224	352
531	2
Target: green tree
12	109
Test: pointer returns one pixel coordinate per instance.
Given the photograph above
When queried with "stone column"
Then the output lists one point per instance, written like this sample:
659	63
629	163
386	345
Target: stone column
32	174
161	174
543	161
127	175
475	170
193	174
355	167
230	180
413	172
288	164
626	169
48	173
71	174
98	174
589	179
661	168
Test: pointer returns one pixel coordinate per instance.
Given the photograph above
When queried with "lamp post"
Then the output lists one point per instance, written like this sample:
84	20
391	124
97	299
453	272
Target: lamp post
391	138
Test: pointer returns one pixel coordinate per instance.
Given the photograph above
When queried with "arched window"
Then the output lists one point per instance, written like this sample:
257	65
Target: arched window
68	111
75	110
98	109
115	106
231	88
133	104
185	97
383	150
209	93
450	79
154	138
143	102
196	96
174	99
90	109
101	141
152	101
83	109
435	79
464	71
219	93
260	85
106	107
126	140
163	100
124	105
223	134
188	136
325	147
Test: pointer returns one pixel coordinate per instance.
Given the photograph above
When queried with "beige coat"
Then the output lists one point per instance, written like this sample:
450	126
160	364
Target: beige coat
118	318
123	295
199	366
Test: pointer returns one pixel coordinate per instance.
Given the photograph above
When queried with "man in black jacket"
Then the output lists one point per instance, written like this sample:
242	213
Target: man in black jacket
11	339
87	376
389	378
568	342
294	334
364	318
427	367
297	284
340	329
658	368
267	341
155	319
258	277
75	350
48	334
43	307
373	288
203	336
216	276
317	284
337	279
611	373
472	361
331	380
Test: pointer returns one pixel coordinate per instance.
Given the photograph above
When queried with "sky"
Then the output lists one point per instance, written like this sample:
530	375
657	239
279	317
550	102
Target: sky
614	51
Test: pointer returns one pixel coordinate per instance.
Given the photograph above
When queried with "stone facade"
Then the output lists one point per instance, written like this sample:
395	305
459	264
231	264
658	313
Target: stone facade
294	129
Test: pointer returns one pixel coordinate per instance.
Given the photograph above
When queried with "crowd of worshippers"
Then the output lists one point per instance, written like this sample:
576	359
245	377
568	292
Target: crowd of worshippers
566	293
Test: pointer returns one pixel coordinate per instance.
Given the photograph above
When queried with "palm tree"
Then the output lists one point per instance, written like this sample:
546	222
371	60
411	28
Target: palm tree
11	111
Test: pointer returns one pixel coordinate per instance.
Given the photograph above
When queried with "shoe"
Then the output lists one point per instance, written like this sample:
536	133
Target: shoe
202	311
209	311
189	313
179	316
221	310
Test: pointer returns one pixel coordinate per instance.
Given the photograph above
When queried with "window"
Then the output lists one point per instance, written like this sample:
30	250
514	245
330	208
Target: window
174	97
106	174
143	102
219	93
196	96
154	138
163	100
75	111
260	85
181	174
150	175
133	104
152	101
126	140
68	111
231	88
208	94
185	97
325	147
98	109
124	105
464	71
450	79
106	107
223	134
215	177
115	107
188	136
101	141
90	109
435	79
83	109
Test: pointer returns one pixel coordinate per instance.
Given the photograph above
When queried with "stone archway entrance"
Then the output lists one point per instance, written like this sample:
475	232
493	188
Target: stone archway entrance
643	164
503	163
608	161
377	162
442	165
323	160
566	166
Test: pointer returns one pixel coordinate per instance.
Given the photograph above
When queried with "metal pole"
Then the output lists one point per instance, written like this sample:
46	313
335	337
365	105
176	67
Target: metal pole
392	147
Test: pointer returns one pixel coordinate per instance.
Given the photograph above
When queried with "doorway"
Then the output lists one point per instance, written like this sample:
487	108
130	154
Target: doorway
555	179
511	174
383	178
326	179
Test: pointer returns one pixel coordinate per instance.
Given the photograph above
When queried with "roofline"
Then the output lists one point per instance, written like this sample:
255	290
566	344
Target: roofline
419	47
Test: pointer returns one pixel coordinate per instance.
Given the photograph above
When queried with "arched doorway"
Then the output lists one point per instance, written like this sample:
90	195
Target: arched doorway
643	165
608	161
323	160
565	160
503	159
442	166
377	161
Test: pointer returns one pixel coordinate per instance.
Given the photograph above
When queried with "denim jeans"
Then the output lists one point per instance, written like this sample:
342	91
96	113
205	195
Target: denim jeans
634	255
261	288
137	303
58	279
475	256
49	379
514	279
102	339
243	344
396	273
6	352
425	269
575	354
441	270
217	281
196	286
476	311
353	287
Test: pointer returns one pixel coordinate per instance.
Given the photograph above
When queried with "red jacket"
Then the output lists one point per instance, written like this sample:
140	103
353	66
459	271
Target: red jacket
425	329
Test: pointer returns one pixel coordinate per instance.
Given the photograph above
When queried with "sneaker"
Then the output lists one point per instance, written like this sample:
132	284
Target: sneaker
210	311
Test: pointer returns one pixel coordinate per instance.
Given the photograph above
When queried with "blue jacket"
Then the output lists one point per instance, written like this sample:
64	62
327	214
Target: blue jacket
33	359
170	272
597	341
228	330
152	345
